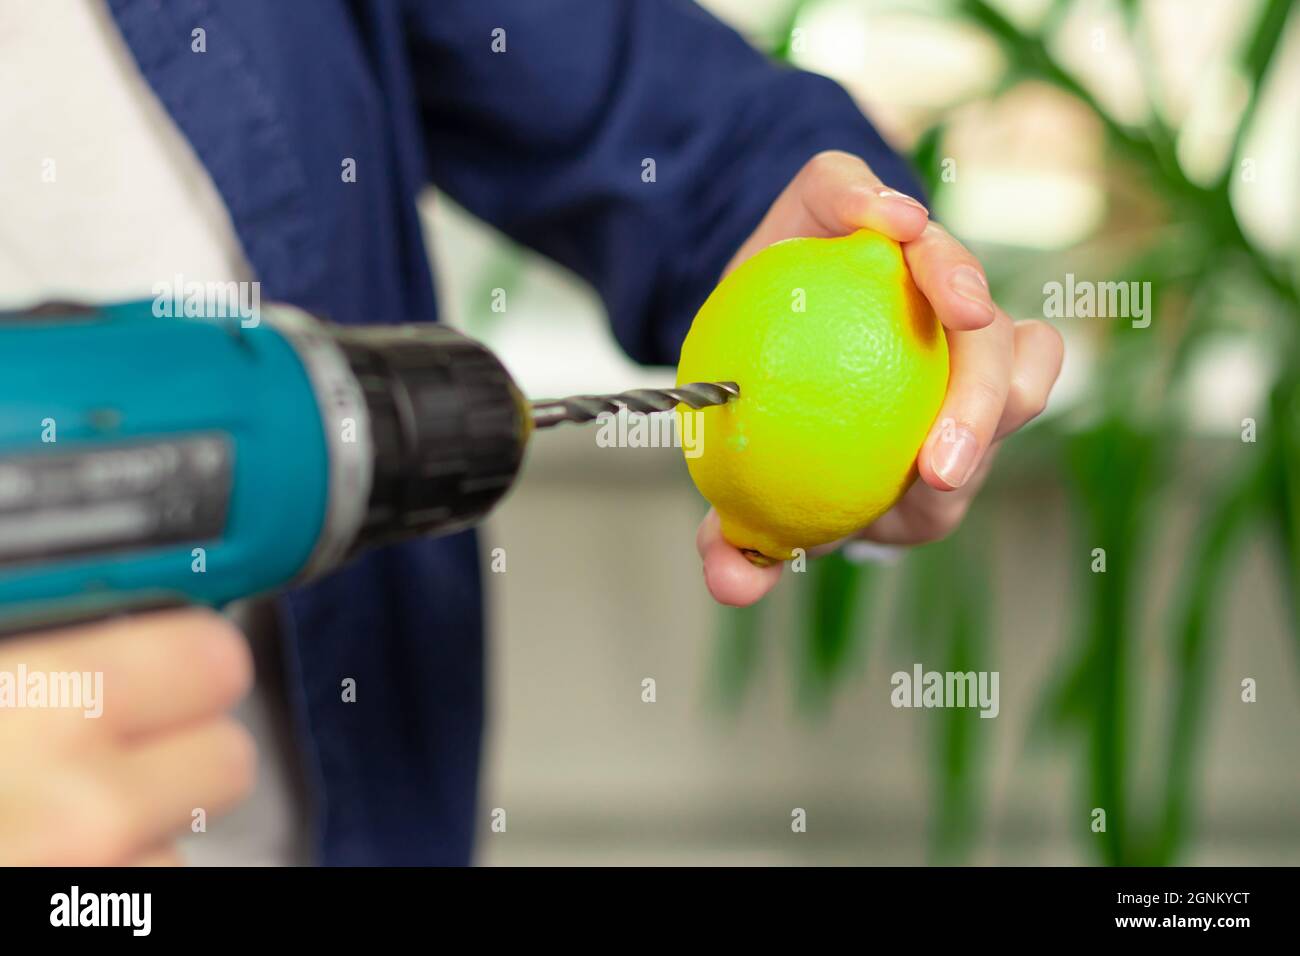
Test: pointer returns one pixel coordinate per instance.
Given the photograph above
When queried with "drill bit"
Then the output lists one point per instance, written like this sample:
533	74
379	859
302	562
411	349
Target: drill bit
585	408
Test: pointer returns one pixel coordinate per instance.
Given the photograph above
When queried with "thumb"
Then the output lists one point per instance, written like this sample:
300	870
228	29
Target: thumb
728	574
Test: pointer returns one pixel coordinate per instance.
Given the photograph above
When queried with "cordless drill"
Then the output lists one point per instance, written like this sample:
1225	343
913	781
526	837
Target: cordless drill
150	461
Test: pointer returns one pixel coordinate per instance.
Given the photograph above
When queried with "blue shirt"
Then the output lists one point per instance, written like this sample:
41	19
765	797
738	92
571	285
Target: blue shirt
545	139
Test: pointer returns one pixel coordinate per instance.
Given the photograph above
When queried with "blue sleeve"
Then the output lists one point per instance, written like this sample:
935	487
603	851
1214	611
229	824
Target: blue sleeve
547	141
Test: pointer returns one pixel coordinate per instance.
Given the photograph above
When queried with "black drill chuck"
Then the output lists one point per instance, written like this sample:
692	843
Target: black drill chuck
448	423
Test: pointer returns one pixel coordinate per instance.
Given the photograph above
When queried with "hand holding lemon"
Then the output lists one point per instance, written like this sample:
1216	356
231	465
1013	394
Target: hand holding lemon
868	354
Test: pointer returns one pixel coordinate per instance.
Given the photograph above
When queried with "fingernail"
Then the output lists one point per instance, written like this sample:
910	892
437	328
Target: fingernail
893	195
970	284
954	455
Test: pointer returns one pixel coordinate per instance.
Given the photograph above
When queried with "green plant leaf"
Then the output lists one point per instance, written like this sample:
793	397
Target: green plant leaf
926	160
1283	436
738	654
1204	578
833	636
944	624
1256	59
959	735
1114	467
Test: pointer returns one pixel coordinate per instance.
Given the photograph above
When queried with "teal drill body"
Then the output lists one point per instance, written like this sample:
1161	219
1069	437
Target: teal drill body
153	390
147	460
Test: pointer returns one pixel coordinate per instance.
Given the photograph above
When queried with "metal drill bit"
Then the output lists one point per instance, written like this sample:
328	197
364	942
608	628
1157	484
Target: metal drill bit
585	408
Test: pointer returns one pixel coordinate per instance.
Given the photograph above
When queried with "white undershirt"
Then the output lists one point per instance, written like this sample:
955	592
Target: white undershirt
101	197
129	204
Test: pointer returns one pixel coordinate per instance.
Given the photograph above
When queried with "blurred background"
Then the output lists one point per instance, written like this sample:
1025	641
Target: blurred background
1154	141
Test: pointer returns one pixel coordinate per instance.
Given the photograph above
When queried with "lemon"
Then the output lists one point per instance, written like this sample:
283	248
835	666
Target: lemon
842	368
